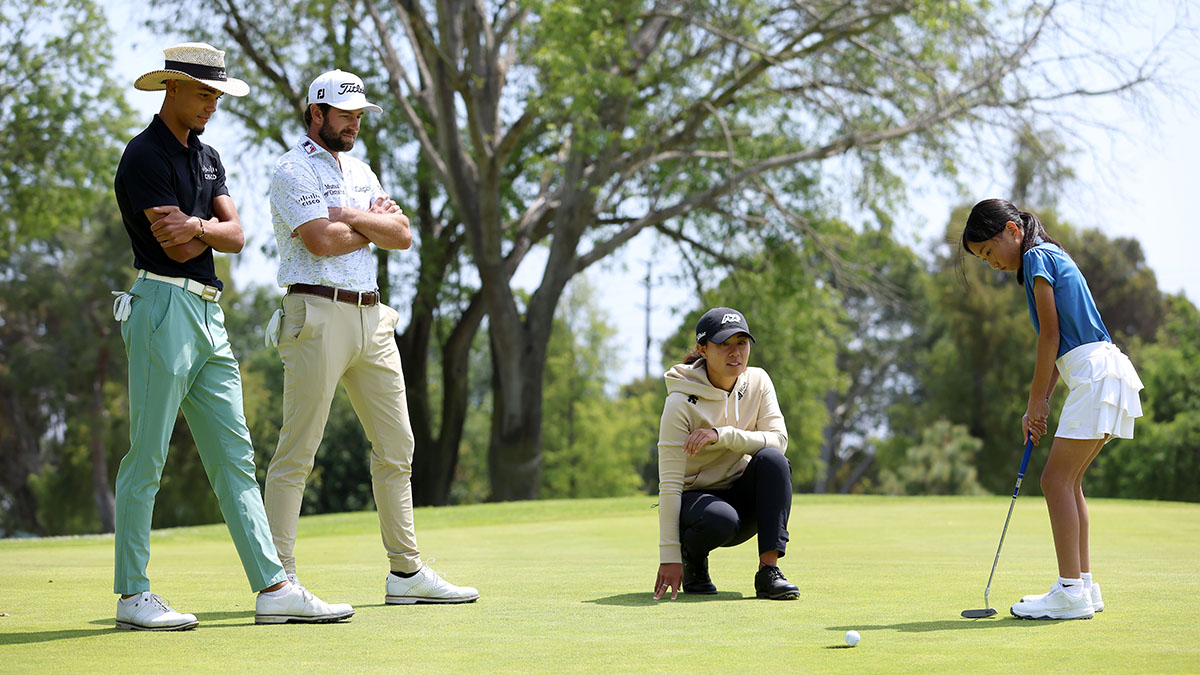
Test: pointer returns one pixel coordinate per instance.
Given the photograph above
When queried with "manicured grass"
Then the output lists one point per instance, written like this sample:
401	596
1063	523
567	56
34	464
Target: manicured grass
566	587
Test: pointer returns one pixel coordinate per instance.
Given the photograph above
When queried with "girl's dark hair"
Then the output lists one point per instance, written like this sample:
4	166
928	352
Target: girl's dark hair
987	219
692	357
308	114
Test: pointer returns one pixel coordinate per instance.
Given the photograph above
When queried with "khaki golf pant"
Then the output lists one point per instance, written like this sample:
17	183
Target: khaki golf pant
323	342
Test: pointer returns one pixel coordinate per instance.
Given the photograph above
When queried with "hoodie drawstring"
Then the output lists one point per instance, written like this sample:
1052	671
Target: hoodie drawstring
734	396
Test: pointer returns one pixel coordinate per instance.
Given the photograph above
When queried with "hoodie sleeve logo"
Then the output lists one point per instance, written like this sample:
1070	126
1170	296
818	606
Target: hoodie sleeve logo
692	399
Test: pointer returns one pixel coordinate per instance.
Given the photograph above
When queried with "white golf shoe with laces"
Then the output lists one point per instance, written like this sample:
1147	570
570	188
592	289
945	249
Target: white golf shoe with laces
1059	603
147	611
426	587
298	605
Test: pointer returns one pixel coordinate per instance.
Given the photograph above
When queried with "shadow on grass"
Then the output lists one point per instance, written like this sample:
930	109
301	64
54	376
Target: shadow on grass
107	626
646	599
947	624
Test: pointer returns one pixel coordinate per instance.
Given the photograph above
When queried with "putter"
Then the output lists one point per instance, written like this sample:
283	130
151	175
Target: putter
987	608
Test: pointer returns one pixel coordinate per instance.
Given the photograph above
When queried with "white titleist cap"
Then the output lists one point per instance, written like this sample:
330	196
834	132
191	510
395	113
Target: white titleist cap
341	90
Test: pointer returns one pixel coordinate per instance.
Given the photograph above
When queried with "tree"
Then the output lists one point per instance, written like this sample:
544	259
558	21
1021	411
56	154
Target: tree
58	135
578	125
595	445
941	464
879	285
1163	459
59	348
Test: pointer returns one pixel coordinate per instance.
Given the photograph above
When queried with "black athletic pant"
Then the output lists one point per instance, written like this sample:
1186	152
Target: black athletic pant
759	501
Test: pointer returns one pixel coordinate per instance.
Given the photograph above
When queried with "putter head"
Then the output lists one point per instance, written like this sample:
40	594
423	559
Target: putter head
978	613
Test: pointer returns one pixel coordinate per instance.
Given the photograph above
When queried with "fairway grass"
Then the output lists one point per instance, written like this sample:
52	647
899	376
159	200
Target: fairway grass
565	586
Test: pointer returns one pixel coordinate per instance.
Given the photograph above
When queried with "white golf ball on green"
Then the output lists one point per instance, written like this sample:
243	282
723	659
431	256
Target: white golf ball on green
852	637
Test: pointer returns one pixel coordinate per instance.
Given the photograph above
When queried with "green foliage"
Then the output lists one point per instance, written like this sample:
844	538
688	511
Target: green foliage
64	123
880	284
1123	285
1162	461
471	474
978	359
62	115
593	445
941	464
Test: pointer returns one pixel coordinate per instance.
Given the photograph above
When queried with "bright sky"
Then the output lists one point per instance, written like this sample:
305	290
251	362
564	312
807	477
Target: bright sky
1138	183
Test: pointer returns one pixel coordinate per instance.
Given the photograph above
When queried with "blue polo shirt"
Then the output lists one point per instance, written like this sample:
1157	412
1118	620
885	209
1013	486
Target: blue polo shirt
157	170
1079	321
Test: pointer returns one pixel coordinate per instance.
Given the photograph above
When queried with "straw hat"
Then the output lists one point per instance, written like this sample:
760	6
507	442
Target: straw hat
193	61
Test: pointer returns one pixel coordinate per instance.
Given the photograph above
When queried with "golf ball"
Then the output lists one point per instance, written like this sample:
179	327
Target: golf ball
852	637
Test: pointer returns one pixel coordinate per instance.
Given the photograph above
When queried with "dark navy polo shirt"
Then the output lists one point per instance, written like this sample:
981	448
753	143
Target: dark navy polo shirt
157	170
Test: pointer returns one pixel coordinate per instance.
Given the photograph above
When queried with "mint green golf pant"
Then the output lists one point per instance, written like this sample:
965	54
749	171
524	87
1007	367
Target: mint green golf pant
179	357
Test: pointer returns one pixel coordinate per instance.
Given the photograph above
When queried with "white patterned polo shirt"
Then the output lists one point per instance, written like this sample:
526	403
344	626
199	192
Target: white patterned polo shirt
306	183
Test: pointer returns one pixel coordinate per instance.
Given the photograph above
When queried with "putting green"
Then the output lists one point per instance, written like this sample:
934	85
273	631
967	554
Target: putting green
565	586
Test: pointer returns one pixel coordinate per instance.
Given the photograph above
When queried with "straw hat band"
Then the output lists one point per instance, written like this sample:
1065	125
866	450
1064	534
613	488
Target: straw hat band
196	70
197	61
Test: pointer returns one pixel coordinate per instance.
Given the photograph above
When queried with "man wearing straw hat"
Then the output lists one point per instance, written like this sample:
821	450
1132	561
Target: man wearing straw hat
171	190
328	209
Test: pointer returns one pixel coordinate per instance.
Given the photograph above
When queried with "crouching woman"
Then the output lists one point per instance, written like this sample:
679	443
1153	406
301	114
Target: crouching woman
722	474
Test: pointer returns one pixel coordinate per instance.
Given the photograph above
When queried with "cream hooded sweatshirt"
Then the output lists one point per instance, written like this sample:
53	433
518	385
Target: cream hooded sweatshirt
746	420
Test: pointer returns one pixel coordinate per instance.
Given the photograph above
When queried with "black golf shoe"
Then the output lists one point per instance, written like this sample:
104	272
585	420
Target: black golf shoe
695	575
770	583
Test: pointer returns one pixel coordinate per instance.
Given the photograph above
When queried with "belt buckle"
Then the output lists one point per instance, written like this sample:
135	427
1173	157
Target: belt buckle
360	294
210	293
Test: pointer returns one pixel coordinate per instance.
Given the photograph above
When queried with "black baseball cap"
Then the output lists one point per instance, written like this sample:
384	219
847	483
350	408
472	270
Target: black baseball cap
719	323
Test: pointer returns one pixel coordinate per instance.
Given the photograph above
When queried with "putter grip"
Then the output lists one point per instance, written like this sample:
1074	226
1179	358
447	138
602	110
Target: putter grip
1024	465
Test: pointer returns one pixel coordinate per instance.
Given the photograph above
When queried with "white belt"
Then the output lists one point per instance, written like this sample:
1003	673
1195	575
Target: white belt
210	293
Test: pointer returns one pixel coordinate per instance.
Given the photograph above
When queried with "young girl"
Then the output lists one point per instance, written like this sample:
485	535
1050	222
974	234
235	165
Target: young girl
1103	389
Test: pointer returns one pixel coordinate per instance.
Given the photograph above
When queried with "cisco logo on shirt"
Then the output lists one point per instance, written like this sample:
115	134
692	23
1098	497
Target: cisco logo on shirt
209	171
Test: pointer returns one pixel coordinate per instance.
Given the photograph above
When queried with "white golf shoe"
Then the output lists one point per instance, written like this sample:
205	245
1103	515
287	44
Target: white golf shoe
426	587
1093	594
298	605
1057	604
147	611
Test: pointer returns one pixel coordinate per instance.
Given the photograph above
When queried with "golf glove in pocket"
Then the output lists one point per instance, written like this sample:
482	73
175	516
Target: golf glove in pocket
271	338
122	306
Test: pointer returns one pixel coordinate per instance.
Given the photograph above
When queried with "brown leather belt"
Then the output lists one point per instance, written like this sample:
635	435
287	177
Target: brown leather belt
358	298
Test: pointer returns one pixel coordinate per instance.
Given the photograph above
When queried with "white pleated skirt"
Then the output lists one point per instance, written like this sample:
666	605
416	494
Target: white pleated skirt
1103	393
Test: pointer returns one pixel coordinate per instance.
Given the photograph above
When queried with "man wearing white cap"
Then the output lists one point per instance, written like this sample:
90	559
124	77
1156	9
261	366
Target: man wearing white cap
328	208
176	207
